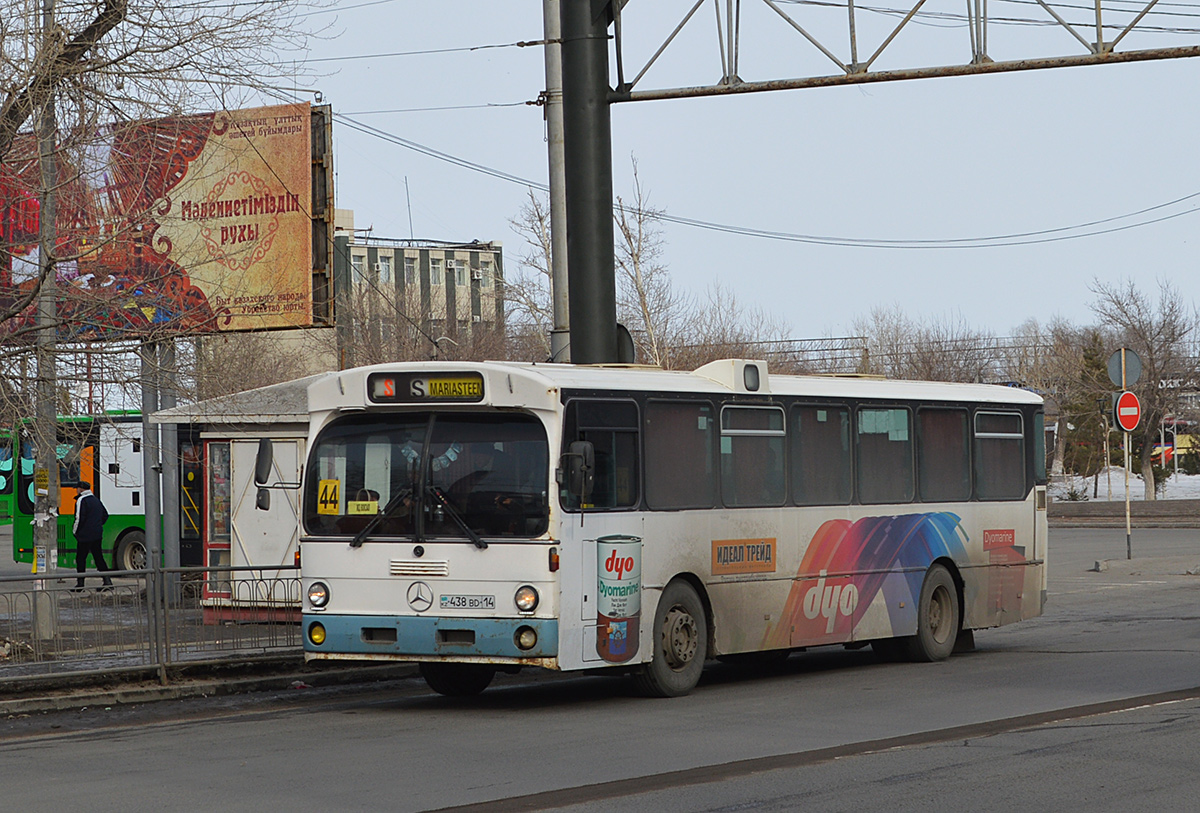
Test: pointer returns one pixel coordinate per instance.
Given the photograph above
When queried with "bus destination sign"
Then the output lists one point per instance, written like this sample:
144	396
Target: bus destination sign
423	388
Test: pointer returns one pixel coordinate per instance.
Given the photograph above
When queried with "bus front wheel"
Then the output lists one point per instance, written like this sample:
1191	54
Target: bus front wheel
131	552
680	640
938	617
458	679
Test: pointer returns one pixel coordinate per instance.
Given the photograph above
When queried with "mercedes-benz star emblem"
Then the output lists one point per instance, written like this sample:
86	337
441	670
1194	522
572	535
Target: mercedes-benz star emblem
420	596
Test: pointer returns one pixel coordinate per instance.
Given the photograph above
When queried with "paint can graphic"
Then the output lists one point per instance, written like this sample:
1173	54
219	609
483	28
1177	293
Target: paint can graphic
619	596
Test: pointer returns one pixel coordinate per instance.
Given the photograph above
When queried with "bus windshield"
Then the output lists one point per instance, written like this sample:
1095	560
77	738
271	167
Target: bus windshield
418	475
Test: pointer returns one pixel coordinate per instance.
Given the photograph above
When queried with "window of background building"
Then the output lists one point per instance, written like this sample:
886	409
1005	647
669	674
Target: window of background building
385	269
410	270
485	274
460	272
357	263
435	272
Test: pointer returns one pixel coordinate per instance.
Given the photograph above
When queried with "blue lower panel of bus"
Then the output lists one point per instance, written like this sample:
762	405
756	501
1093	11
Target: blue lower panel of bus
389	635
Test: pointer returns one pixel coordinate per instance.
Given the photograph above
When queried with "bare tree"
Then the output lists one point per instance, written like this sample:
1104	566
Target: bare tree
131	59
527	289
1163	334
720	326
103	64
939	350
647	302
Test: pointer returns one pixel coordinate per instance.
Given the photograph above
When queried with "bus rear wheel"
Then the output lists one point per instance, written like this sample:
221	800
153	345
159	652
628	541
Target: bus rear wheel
680	640
131	552
458	679
938	617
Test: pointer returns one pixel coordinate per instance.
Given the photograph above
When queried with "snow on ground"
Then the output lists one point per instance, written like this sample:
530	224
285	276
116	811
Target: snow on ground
1178	487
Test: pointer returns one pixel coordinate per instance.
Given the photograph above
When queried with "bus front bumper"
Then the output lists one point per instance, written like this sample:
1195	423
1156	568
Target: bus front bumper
395	637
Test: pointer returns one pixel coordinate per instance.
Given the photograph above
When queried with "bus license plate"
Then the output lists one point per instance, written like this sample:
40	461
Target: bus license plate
468	602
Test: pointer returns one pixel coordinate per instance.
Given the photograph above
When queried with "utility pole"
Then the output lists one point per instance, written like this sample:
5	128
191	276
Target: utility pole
560	334
46	485
168	398
587	149
151	485
342	312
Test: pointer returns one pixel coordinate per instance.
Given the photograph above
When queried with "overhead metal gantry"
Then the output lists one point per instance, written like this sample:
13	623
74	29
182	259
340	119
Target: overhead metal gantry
1094	42
1096	33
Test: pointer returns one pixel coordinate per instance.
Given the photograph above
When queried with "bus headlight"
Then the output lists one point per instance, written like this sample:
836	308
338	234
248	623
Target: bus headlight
525	638
316	633
318	594
526	598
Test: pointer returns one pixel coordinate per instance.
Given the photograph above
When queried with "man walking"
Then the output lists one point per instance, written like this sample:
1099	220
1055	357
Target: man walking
90	516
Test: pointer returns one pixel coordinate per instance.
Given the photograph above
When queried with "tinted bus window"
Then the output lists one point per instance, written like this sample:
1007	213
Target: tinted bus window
943	456
1039	448
885	455
999	456
752	472
612	429
820	454
679	455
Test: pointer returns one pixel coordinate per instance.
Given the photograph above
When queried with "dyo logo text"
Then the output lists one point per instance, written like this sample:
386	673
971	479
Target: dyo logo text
829	600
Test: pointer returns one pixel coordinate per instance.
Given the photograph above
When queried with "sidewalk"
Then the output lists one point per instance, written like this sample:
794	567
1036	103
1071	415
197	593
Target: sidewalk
60	692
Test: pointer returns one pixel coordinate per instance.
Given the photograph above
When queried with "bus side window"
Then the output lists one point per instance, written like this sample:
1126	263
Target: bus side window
752	464
820	455
999	456
943	460
612	429
885	455
679	438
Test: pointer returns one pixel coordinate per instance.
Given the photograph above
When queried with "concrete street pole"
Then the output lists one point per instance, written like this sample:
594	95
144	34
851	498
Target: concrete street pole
560	334
45	429
170	468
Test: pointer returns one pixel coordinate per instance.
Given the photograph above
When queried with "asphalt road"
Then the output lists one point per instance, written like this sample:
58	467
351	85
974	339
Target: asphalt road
1093	706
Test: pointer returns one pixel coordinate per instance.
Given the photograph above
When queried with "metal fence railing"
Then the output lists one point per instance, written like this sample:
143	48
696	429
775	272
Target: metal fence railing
146	619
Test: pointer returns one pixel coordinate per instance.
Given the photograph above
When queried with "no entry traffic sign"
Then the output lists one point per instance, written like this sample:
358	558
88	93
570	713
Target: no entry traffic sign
1129	411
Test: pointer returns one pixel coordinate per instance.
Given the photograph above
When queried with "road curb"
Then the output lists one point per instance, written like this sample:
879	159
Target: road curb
211	686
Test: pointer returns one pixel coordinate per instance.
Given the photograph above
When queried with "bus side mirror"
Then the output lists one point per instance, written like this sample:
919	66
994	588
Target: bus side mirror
581	469
262	501
263	463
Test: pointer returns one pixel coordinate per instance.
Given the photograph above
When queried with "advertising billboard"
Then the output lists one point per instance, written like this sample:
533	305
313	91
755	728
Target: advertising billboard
188	224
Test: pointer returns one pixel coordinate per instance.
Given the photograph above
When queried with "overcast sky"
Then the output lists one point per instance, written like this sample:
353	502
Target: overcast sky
930	160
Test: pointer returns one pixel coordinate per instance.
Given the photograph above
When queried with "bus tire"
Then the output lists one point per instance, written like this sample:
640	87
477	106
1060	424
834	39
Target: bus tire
938	617
131	552
458	679
680	640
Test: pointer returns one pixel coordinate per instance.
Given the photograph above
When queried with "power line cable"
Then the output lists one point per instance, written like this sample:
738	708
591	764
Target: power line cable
1059	234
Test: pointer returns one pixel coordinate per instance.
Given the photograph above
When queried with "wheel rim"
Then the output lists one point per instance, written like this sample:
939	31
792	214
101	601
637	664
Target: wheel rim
940	614
680	639
135	558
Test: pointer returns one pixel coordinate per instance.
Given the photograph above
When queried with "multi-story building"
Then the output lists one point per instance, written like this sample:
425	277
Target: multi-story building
406	292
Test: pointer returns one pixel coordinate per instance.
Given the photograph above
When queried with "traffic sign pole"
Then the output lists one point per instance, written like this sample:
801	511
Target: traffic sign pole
1128	411
1128	524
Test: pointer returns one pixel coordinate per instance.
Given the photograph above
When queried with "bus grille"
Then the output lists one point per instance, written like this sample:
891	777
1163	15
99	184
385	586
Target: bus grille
413	567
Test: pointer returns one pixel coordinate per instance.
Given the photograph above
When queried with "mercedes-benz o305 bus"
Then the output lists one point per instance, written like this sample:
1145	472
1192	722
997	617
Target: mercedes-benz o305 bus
477	517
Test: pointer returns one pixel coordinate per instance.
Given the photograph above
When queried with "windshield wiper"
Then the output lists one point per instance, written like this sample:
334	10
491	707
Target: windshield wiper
457	517
373	523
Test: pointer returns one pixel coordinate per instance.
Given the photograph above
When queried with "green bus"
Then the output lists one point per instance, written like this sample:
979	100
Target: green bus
106	451
8	487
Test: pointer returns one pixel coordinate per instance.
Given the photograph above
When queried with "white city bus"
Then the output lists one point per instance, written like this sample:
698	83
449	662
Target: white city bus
477	517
